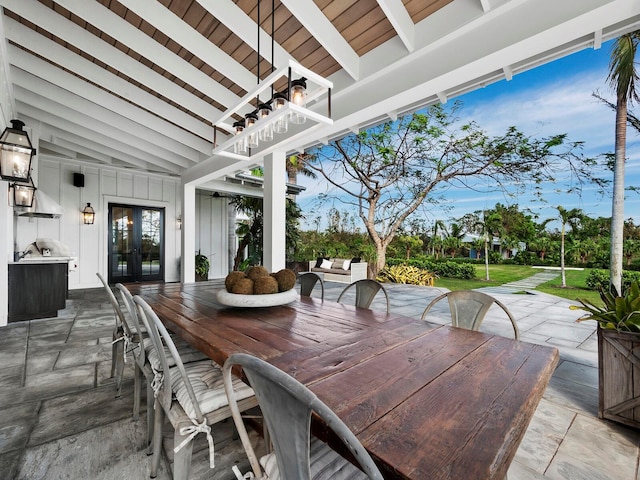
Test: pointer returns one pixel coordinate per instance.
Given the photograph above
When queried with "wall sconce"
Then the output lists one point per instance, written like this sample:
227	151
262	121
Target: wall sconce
23	193
88	214
16	153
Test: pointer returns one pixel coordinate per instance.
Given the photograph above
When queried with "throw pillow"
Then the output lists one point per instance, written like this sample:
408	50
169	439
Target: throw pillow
356	260
325	263
319	262
346	264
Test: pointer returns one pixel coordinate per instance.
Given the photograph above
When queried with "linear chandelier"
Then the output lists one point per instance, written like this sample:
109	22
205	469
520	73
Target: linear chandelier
282	118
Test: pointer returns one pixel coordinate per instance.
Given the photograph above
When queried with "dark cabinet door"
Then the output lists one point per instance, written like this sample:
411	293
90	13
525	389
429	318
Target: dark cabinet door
37	290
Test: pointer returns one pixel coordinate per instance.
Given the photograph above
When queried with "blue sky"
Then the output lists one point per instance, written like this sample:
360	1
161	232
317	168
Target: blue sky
551	99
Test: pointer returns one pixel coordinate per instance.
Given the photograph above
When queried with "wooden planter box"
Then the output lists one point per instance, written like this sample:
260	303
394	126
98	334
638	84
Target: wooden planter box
619	376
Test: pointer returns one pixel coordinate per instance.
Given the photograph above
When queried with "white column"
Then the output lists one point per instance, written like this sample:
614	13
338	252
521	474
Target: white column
188	274
275	189
6	247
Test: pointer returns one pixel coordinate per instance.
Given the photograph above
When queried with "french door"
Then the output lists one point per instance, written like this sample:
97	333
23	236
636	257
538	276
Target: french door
136	243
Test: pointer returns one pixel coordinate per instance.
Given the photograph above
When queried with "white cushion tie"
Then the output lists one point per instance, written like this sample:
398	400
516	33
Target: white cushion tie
156	383
192	431
127	341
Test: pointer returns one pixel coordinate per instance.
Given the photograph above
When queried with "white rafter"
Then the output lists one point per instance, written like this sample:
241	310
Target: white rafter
326	34
401	21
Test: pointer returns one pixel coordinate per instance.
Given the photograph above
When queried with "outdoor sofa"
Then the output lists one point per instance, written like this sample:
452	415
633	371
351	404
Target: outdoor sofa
341	270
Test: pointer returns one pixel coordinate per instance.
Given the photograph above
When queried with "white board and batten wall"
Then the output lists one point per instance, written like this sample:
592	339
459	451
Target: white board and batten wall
104	185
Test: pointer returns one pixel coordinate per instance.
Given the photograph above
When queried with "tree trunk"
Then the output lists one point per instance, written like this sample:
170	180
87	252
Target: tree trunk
486	259
617	210
564	280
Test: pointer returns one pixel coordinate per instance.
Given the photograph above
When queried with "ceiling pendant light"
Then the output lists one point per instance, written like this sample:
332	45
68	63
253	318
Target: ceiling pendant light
250	120
298	96
266	131
266	123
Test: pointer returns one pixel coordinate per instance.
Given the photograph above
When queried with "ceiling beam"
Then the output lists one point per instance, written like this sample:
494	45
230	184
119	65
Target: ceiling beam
400	20
312	18
62	144
173	27
127	146
85	41
108	22
37	89
234	18
101	77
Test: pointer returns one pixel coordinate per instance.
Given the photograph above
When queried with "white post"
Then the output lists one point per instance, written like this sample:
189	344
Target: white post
6	247
275	190
188	274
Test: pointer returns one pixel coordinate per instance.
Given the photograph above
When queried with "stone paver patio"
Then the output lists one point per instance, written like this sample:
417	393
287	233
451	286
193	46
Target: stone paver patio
59	418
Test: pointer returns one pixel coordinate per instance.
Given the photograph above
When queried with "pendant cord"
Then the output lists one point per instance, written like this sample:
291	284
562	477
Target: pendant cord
258	72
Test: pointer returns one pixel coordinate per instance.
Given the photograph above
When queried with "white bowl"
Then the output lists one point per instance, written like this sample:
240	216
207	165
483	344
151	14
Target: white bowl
267	300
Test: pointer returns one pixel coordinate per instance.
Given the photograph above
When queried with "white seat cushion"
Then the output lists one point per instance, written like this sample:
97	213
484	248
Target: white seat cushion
326	464
187	353
208	385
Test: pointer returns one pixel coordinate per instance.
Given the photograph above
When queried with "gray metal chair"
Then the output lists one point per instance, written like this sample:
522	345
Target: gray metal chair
366	290
308	281
121	338
287	406
469	307
191	396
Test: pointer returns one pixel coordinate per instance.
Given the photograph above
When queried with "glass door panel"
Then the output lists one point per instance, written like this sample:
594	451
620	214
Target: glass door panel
136	250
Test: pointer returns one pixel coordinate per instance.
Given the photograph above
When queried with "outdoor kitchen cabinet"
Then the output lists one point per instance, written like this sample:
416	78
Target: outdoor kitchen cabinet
37	290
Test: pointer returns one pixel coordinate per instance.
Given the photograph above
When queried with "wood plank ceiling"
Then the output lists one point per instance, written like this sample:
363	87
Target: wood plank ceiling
138	83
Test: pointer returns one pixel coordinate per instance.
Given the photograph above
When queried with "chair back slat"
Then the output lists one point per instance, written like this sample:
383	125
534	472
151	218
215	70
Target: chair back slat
366	290
308	281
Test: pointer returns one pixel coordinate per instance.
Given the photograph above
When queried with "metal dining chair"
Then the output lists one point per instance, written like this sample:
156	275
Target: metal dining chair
366	290
121	338
191	396
308	281
147	361
469	307
287	406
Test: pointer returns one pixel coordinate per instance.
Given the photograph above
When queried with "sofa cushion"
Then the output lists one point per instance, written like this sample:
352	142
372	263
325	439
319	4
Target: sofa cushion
326	263
319	262
337	263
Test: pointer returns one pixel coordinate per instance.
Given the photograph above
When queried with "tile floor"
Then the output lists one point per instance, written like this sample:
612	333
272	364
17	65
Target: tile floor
59	418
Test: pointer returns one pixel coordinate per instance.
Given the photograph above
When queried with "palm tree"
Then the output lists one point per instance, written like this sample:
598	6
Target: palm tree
622	78
490	226
566	217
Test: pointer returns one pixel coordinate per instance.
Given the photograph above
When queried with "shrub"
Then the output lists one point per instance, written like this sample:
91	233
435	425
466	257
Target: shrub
599	279
406	274
447	269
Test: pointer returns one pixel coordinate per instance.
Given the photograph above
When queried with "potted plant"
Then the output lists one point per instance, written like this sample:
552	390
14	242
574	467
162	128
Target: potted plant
202	267
618	353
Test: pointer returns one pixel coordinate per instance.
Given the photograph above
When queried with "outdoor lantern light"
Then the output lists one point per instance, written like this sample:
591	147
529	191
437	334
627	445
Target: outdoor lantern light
298	96
265	121
16	153
23	193
250	120
266	132
240	146
281	124
88	214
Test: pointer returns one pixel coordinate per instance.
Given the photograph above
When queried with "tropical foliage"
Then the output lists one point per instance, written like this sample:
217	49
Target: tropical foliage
620	313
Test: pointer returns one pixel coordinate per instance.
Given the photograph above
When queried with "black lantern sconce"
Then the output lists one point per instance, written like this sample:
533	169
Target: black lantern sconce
16	153
88	214
23	193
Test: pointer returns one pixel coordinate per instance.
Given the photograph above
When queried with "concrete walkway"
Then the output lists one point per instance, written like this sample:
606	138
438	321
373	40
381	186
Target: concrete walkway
59	418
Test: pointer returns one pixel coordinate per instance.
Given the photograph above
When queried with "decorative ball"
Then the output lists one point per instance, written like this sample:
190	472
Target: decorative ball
244	286
286	279
265	285
232	278
257	271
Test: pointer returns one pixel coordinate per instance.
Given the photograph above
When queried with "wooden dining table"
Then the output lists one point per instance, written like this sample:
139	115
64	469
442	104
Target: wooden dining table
427	401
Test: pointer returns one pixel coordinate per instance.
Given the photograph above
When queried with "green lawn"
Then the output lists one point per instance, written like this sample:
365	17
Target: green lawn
501	274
